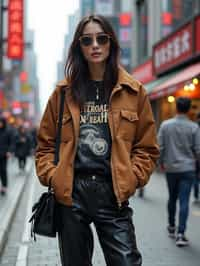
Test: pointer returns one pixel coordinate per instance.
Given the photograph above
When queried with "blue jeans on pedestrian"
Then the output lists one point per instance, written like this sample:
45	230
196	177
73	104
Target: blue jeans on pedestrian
179	187
196	187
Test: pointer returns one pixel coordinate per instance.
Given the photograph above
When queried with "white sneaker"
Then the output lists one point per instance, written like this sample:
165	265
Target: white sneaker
181	240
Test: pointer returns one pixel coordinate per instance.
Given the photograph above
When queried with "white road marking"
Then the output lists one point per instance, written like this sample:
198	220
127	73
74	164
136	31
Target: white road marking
23	249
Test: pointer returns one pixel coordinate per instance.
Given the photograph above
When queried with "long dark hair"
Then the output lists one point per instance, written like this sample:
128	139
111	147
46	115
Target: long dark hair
76	68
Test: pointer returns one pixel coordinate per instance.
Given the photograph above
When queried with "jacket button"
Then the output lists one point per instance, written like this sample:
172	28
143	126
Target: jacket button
93	177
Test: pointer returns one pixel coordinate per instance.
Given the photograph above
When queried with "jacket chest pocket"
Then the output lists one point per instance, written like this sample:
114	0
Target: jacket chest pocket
127	125
67	128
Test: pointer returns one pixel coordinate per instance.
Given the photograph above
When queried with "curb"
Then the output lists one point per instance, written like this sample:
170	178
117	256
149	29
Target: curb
10	207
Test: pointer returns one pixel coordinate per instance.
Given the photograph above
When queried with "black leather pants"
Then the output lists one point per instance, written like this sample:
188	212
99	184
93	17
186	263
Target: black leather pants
94	201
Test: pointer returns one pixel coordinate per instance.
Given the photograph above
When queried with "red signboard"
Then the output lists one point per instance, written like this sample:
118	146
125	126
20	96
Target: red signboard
197	34
166	18
144	72
125	19
23	76
173	50
15	49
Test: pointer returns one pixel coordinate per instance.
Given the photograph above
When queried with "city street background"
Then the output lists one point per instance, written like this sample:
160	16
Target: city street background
159	46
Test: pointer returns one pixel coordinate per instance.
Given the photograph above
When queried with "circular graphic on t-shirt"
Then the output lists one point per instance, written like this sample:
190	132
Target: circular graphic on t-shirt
91	143
100	147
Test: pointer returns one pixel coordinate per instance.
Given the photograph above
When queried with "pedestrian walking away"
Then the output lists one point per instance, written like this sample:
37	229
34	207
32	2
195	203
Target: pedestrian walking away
22	147
179	140
5	149
197	176
108	148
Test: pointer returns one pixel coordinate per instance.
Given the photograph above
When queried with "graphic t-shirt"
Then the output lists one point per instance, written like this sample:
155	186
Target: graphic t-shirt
94	148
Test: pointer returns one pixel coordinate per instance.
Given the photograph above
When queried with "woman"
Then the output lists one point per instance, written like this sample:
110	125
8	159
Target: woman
108	148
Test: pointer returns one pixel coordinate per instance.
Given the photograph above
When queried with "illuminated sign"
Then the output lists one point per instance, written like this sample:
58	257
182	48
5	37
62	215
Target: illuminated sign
125	19
173	50
23	76
15	48
178	47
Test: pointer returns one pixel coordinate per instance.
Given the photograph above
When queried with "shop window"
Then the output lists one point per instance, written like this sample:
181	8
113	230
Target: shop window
142	7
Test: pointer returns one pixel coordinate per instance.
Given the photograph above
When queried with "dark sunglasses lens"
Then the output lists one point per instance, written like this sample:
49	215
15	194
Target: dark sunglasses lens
86	41
102	39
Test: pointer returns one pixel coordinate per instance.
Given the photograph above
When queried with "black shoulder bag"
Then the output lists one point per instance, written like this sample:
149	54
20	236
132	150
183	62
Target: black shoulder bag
43	219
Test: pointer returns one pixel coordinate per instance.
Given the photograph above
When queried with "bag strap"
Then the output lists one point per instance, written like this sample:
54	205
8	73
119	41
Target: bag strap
58	134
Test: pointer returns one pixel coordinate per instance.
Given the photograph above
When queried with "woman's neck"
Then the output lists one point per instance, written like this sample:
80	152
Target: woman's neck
96	71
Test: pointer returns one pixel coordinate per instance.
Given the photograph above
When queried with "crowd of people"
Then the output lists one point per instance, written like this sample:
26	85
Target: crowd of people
18	142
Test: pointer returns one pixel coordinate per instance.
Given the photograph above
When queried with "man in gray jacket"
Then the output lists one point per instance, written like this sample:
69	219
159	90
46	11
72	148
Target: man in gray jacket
179	140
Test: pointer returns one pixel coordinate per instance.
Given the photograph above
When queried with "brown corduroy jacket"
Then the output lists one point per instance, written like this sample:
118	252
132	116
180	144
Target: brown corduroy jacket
134	147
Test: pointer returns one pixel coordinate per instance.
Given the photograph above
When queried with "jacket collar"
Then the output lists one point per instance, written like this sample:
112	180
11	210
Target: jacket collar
124	79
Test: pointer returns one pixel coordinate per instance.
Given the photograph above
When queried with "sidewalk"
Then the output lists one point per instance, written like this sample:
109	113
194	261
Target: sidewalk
9	203
150	219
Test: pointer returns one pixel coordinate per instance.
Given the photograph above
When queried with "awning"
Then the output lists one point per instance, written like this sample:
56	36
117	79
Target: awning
153	84
174	83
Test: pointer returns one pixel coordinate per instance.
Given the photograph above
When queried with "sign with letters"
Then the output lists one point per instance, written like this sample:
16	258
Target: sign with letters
15	48
178	47
173	50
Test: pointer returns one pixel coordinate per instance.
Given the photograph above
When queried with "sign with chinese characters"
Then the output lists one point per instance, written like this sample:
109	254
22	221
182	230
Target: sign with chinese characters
15	48
173	50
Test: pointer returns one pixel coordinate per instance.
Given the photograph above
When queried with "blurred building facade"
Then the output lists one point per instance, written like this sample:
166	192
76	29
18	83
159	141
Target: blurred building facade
72	23
166	52
19	96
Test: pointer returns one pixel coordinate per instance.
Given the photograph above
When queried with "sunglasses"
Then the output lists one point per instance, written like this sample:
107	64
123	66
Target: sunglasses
101	39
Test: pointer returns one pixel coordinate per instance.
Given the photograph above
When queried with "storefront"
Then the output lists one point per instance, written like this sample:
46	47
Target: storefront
144	73
178	54
185	82
176	71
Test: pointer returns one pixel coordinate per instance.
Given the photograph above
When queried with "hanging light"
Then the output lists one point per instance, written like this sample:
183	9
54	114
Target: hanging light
171	99
192	87
195	81
186	88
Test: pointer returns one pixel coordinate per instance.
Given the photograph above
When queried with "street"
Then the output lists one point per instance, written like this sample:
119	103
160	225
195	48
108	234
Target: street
149	219
101	87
